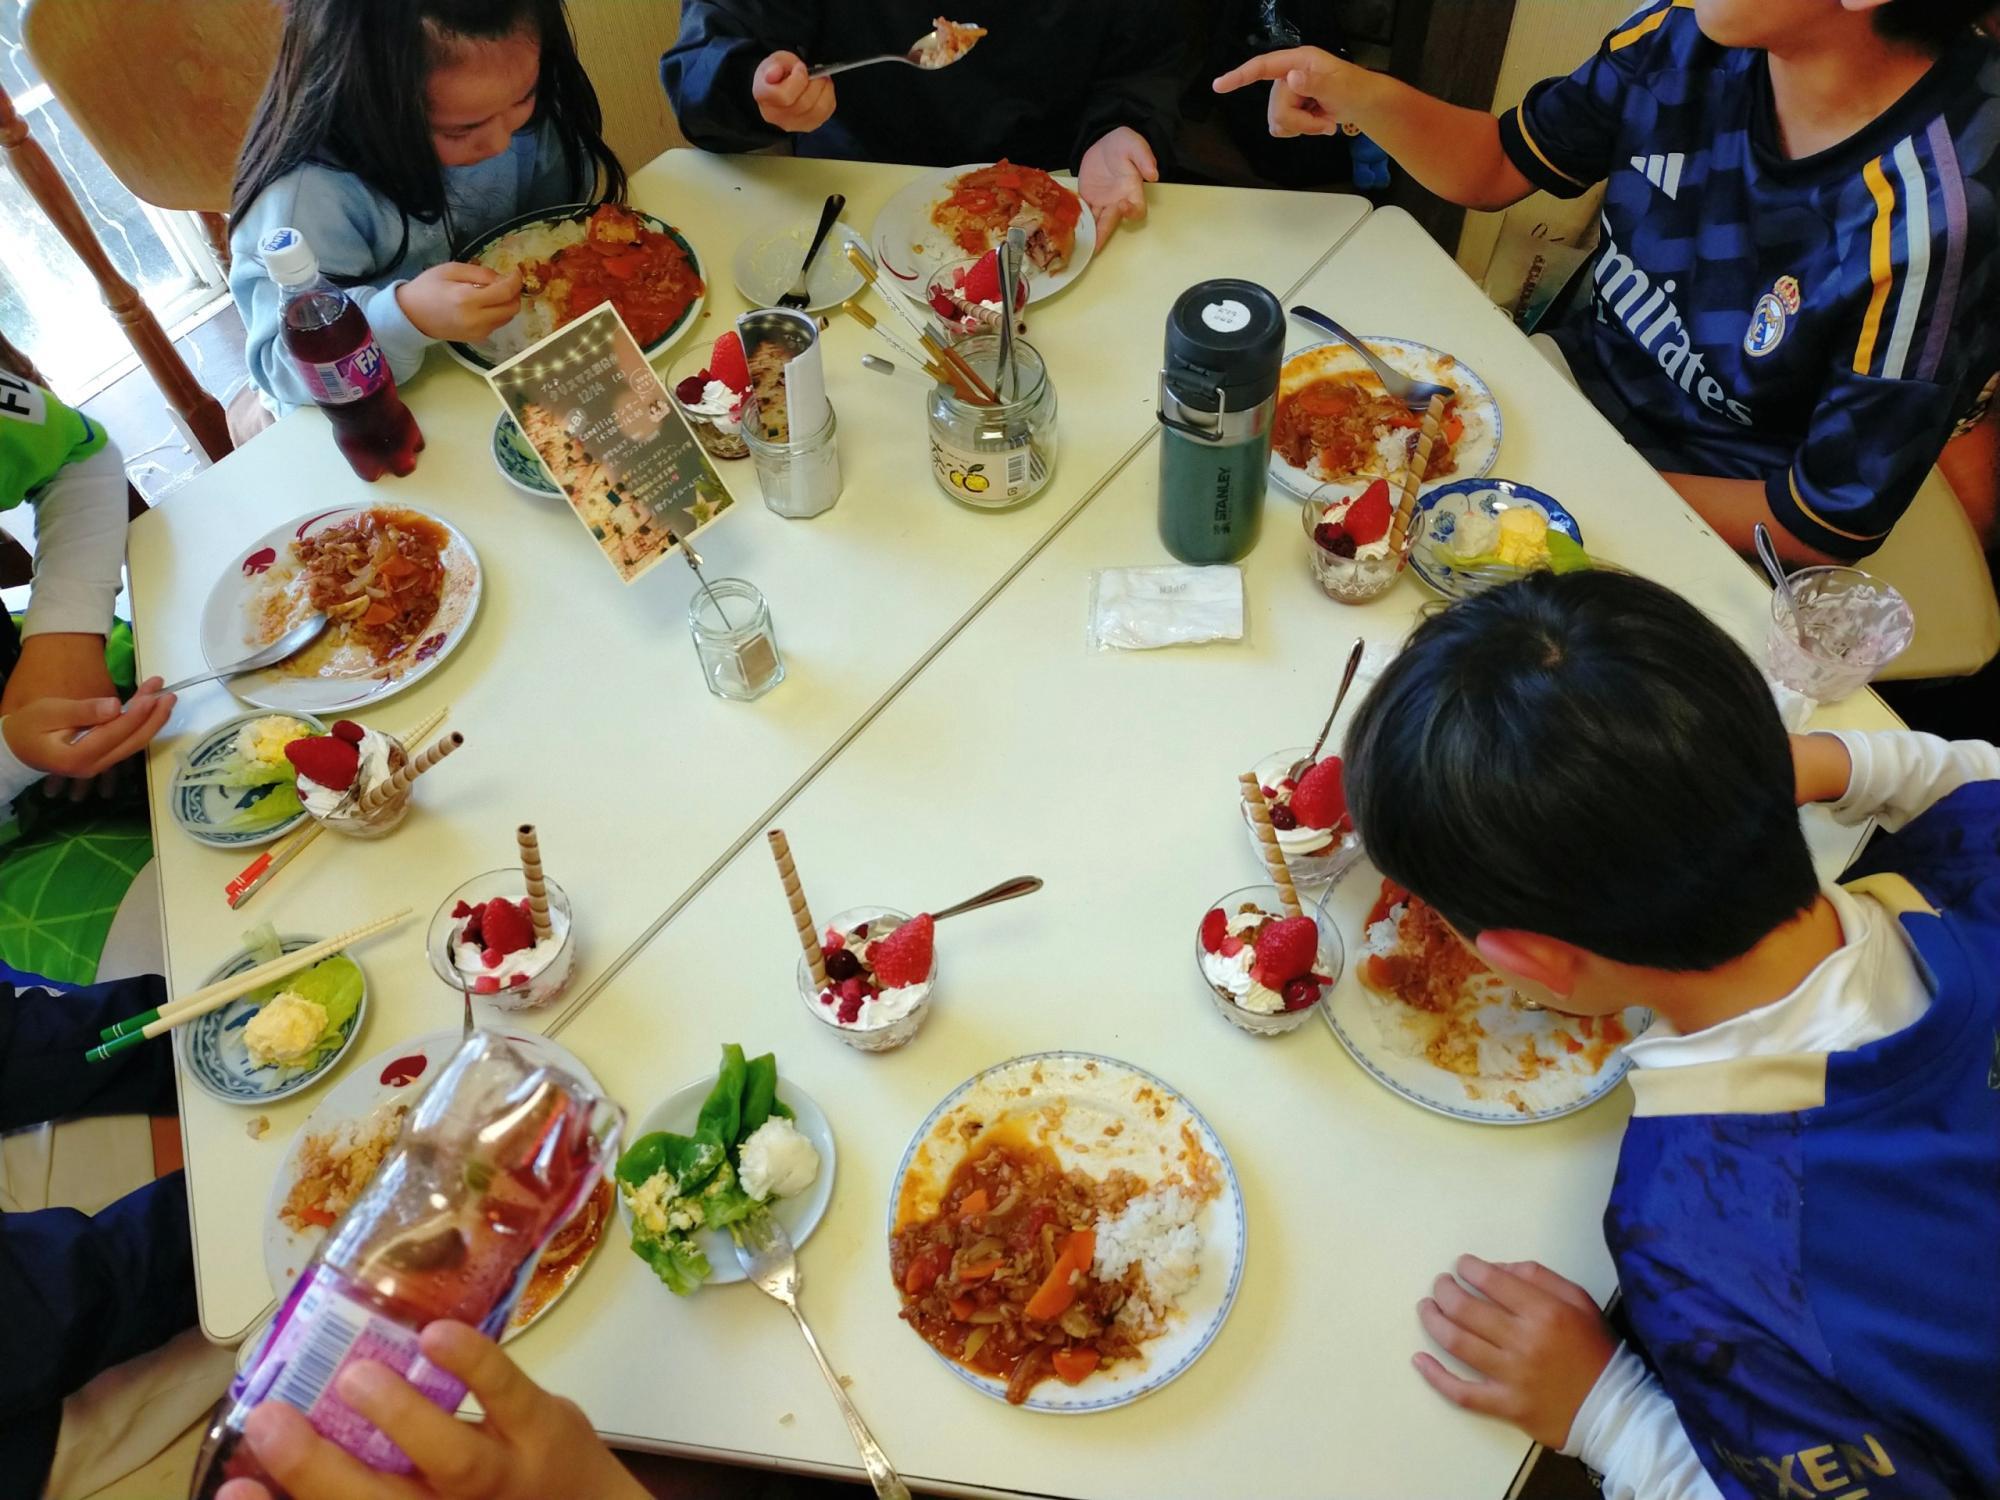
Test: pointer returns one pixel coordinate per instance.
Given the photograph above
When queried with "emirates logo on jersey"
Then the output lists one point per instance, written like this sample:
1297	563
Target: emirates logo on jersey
1649	313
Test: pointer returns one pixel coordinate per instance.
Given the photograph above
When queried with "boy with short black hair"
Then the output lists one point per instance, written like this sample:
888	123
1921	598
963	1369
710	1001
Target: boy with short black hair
1806	1214
1796	300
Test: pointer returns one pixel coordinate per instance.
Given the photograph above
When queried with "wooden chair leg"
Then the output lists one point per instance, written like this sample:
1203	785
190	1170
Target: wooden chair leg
216	227
31	165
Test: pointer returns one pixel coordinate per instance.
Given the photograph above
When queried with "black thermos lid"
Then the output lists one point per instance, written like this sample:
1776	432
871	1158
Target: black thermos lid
1225	333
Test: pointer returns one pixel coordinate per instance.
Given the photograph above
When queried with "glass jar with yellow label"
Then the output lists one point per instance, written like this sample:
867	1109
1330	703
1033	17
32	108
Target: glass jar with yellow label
999	455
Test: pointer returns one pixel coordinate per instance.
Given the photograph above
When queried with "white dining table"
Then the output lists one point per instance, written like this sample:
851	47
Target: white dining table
580	700
1018	750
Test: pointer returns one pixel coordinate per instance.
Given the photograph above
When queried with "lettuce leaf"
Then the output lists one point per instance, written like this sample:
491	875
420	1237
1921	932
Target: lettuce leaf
723	1201
677	1262
722	1111
691	1162
278	805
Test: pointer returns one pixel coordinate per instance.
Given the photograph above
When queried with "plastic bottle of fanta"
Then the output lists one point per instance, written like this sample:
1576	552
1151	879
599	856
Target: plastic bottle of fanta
335	351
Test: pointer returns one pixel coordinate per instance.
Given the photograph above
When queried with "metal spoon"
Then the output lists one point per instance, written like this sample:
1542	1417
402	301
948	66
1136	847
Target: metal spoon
1006	379
765	1252
291	643
923	53
1300	767
1767	554
1006	890
799	296
465	987
1415	394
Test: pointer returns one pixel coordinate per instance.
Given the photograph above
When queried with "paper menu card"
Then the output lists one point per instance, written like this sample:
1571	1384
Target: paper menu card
610	439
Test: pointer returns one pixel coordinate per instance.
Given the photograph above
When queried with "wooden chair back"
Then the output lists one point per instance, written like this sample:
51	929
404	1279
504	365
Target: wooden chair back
164	89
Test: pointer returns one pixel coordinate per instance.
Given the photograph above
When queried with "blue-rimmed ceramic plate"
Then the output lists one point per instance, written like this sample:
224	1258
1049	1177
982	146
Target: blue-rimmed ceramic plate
1446	505
203	810
517	462
211	1047
680	1111
1389	1040
1070	1102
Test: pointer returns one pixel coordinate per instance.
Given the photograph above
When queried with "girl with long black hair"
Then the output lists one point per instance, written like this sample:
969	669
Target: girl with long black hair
391	134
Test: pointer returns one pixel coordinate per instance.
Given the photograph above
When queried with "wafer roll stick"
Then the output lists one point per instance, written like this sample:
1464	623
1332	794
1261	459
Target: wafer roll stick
1267	843
802	917
531	873
1412	480
399	784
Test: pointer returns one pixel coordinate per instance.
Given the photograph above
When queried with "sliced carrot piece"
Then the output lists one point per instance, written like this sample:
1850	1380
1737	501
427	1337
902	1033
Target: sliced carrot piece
962	1308
1058	1290
980	1270
975	1203
1073	1366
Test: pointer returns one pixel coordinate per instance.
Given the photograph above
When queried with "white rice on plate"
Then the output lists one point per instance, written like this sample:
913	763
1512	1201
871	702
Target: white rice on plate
1157	1232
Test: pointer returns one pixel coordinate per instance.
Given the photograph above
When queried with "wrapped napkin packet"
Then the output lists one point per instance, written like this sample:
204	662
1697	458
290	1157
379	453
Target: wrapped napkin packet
1139	609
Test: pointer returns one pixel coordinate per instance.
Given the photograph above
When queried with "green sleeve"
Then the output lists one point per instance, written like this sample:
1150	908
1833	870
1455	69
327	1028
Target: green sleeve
38	435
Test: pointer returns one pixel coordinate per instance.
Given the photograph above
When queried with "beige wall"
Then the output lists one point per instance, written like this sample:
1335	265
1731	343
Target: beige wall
620	42
1549	37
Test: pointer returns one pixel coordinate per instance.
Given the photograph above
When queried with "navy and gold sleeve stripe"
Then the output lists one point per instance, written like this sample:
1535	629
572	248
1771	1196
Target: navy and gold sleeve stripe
1529	156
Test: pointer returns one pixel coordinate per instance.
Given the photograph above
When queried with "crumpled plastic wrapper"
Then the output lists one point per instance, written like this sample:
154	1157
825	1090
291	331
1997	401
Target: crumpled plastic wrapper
1141	609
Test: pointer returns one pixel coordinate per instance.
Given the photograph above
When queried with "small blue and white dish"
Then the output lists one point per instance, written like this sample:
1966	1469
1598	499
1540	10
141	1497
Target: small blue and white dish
202	811
517	462
1439	511
211	1048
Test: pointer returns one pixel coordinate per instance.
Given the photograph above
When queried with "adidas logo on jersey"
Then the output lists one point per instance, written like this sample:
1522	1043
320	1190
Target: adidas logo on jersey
1664	172
1650	315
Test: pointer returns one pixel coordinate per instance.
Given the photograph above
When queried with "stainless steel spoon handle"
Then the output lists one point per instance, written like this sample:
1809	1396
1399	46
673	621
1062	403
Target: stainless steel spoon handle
1340	696
1006	890
1415	394
827	70
194	681
1767	554
881	1473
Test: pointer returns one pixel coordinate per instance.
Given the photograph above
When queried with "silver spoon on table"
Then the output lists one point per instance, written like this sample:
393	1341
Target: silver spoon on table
291	643
765	1252
1006	890
1300	767
1415	394
926	52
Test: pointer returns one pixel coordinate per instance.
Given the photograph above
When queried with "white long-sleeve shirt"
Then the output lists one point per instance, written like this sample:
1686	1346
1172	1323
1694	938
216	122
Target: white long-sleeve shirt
1866	989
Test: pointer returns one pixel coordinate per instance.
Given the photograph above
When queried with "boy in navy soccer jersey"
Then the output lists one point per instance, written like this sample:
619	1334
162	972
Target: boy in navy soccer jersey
1796	300
1806	1214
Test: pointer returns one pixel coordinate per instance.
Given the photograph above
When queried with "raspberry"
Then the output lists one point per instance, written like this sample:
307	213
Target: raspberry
461	911
841	964
1327	534
904	956
1321	800
826	997
1300	992
1367	519
943	306
485	984
1283	818
833	939
347	729
517	982
854	987
1214	928
850	1011
492	958
1343	546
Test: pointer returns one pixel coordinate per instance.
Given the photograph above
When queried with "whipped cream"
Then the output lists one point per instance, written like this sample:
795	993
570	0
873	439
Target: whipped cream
885	1008
526	963
721	406
1299	842
325	802
1231	974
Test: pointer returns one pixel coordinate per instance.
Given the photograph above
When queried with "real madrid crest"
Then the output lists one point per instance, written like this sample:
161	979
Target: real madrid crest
1787	291
1767	326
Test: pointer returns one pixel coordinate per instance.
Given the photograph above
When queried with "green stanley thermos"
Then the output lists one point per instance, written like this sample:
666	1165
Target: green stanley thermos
1218	390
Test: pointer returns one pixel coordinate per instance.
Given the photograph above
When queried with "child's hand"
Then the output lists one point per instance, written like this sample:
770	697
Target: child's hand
1113	178
1821	768
459	302
1539	1340
1306	88
79	737
59	664
532	1445
789	100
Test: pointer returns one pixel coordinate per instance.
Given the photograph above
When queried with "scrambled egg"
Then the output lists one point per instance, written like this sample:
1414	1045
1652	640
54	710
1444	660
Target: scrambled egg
264	740
286	1028
656	1209
1523	540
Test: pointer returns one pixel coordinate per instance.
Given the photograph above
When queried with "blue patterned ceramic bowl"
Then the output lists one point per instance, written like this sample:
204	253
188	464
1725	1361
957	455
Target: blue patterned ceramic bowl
202	811
517	462
211	1047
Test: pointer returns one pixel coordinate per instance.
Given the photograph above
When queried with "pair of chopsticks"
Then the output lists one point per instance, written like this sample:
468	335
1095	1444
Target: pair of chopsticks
944	363
259	873
162	1019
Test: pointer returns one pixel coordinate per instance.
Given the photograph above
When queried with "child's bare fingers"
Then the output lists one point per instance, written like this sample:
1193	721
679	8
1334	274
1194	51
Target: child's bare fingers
1539	1276
1472	1395
1471	1312
1461	1343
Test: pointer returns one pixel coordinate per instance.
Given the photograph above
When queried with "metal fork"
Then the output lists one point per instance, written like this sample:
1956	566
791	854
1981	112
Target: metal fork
1415	394
800	296
765	1252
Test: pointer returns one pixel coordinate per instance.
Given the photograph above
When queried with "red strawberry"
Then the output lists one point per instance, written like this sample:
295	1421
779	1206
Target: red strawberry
1285	950
517	982
1300	992
507	927
330	762
492	958
982	279
1214	928
852	988
347	729
943	306
727	364
1367	519
834	940
485	984
1232	945
904	956
1321	800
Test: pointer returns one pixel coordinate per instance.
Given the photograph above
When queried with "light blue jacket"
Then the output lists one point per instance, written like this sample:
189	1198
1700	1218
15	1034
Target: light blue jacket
354	231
